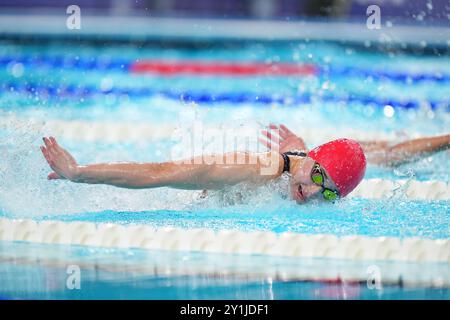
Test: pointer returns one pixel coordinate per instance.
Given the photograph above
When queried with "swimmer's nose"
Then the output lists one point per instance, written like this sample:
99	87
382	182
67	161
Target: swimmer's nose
310	190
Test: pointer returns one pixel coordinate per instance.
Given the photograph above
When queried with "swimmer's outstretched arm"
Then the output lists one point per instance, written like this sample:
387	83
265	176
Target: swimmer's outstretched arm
408	151
190	174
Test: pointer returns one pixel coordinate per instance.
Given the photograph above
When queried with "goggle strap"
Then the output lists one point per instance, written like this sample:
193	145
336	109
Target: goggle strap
287	162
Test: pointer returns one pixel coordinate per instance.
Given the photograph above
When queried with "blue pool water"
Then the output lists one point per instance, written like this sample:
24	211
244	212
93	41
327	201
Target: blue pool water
378	99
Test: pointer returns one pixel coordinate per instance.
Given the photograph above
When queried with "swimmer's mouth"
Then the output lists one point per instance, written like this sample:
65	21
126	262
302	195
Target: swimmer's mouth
300	193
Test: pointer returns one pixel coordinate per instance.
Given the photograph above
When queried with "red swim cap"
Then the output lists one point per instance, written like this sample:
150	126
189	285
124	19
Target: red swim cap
344	161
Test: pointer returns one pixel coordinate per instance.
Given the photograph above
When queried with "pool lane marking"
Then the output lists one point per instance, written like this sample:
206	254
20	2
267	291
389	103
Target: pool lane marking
236	68
223	68
288	244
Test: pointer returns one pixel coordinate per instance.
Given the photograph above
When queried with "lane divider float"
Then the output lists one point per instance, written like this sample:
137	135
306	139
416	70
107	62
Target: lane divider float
410	189
109	131
351	247
222	68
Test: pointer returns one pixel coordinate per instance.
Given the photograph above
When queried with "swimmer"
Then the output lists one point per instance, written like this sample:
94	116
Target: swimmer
380	153
327	172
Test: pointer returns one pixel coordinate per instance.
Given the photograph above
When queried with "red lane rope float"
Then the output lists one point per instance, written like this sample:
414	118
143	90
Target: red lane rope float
222	68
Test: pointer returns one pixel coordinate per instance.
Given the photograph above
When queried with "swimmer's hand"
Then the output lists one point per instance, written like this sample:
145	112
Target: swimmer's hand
285	141
61	161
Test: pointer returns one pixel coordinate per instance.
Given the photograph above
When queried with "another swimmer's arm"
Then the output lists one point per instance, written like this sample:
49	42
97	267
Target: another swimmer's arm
409	150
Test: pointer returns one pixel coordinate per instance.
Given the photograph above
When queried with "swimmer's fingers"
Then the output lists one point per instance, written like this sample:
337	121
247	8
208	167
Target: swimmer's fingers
51	144
44	152
267	134
286	131
47	142
268	144
56	151
266	140
49	152
271	136
56	146
273	126
50	147
54	176
47	155
282	131
54	143
277	129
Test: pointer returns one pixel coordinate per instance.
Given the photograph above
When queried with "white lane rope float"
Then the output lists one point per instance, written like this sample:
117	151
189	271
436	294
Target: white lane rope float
108	131
352	247
408	189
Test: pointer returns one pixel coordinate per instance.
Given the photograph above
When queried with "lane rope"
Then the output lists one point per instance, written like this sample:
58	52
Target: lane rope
163	67
222	68
351	247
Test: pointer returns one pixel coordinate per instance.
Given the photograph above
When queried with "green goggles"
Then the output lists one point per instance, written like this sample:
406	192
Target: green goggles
318	178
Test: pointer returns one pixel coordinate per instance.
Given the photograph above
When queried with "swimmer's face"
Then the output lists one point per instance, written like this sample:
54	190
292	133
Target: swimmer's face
302	186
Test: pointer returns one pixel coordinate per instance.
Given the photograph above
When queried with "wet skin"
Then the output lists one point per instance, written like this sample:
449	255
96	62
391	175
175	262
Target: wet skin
302	187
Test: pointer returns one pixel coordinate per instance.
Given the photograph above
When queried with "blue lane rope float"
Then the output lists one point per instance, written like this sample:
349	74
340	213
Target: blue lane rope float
123	65
68	62
383	75
211	98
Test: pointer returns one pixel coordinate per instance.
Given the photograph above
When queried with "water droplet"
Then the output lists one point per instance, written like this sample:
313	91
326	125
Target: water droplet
388	111
17	70
106	84
420	16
